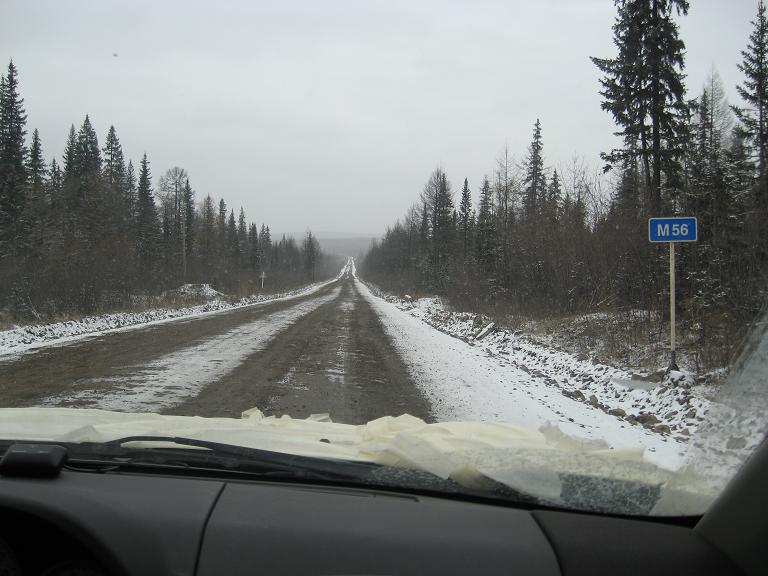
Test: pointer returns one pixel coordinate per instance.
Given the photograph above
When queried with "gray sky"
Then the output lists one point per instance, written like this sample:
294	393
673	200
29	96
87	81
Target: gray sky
331	115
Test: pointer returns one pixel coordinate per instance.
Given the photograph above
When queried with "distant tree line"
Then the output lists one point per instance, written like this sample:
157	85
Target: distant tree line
90	232
539	241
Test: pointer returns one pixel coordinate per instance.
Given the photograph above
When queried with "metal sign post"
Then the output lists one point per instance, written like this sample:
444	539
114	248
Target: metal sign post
263	275
672	353
672	230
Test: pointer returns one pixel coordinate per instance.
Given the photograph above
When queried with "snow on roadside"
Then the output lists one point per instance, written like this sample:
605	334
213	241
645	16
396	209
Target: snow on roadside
25	338
671	405
205	291
504	378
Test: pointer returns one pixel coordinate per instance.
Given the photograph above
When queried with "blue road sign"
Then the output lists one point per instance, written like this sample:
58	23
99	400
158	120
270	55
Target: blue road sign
683	229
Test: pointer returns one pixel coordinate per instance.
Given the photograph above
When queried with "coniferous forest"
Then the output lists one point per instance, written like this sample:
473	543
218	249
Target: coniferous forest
534	240
93	230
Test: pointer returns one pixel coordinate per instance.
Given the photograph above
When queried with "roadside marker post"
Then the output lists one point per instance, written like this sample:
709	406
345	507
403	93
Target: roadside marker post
673	230
263	275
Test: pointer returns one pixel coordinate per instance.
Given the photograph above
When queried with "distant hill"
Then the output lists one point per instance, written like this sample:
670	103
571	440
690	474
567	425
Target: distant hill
345	246
342	243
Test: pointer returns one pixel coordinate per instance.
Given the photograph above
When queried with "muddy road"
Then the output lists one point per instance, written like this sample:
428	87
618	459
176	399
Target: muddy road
320	352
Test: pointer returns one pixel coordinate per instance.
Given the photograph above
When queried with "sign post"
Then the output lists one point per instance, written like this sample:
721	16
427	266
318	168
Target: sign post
672	230
263	275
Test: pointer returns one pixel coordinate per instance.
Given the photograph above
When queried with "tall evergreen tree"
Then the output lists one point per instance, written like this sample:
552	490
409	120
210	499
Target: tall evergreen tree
114	163
146	226
55	184
34	217
233	245
254	250
131	200
443	229
310	250
754	91
643	89
36	204
83	178
70	153
465	215
242	234
206	239
188	229
88	154
265	240
36	168
486	231
13	120
534	183
551	209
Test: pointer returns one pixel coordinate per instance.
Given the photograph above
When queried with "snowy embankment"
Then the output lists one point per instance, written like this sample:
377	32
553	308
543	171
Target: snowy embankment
668	405
22	339
471	371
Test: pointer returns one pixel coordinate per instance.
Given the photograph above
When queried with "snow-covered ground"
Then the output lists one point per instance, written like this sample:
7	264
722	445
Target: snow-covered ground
22	339
203	291
668	404
503	377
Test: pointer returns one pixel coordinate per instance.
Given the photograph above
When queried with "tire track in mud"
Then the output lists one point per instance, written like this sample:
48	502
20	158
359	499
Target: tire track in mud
336	359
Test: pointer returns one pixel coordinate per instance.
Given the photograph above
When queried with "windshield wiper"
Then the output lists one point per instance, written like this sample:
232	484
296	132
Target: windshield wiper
207	455
203	457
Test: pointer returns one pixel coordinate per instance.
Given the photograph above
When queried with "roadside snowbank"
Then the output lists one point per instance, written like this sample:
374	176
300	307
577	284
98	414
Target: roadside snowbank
202	291
22	339
666	404
502	378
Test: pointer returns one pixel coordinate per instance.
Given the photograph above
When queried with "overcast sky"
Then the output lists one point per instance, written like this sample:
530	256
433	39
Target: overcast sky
331	115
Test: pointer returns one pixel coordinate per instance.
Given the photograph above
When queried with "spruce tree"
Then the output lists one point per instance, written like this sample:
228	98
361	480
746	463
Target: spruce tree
131	200
206	241
443	230
54	193
146	227
465	214
265	240
242	234
88	155
643	89
55	182
70	154
534	183
254	248
13	120
36	205
114	163
233	246
552	203
36	169
188	230
310	250
754	91
486	231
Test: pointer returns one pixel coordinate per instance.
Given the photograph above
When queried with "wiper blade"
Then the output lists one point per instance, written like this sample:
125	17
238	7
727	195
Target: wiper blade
219	456
254	463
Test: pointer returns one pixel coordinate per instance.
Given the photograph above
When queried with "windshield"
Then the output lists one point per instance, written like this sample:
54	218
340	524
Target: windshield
515	249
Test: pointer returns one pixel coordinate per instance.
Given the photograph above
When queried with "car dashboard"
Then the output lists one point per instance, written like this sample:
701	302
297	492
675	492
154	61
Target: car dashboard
113	522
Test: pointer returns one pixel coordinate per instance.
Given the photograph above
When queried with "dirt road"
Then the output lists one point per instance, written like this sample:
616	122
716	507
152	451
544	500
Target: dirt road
321	352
